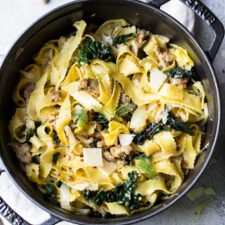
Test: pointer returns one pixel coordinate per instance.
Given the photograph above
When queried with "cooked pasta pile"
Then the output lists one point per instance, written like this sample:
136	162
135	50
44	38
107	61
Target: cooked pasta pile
107	119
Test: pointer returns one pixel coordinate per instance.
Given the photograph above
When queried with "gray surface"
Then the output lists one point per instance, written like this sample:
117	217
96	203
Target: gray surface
182	212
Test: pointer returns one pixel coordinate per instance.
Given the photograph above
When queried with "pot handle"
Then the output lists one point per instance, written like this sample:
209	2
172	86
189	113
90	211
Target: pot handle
14	218
208	16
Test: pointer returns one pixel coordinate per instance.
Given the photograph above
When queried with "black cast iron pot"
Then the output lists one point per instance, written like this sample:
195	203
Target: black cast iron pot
59	22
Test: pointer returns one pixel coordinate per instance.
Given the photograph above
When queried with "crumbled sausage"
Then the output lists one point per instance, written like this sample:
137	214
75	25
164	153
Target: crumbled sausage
108	156
100	144
125	98
55	96
164	57
93	88
90	85
185	164
139	41
83	84
141	36
121	163
52	120
179	81
28	90
118	151
22	151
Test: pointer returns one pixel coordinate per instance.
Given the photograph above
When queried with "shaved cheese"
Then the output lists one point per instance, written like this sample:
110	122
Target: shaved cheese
93	157
126	139
157	78
139	119
108	168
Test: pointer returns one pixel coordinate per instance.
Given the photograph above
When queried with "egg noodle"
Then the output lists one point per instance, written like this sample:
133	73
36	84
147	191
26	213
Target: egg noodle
108	119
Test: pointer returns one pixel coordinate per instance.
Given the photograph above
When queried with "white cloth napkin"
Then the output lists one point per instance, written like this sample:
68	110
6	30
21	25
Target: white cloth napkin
33	9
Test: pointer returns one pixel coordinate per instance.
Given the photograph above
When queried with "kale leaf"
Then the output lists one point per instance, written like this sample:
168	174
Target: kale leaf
171	123
94	50
56	138
32	131
123	194
55	157
36	159
123	38
177	72
148	133
51	193
177	124
100	119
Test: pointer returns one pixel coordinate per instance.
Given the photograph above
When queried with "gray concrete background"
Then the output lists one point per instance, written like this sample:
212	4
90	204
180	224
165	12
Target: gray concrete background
182	212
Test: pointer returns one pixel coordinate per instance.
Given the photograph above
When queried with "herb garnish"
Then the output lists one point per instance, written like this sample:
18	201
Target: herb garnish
123	194
145	167
80	115
94	50
123	38
177	72
124	110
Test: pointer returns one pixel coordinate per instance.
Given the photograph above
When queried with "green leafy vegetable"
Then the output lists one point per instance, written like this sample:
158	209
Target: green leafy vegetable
128	159
177	124
100	119
51	193
94	50
171	123
80	116
94	143
56	138
123	194
123	38
177	72
125	109
55	157
36	159
30	133
148	133
143	164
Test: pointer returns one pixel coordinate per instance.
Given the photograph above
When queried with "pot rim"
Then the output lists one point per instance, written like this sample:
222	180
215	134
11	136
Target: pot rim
143	215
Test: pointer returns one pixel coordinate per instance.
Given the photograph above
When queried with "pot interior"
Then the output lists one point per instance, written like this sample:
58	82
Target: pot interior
59	23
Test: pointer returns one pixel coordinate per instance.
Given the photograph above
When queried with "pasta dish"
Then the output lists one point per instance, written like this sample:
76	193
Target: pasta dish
108	120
